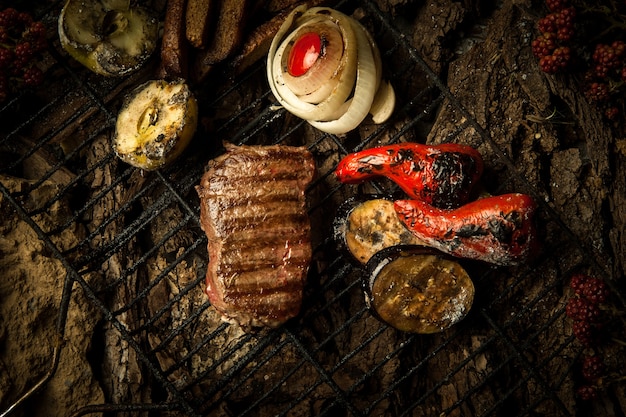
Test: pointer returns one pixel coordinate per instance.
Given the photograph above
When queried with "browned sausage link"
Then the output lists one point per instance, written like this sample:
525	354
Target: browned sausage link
198	22
257	43
227	33
174	46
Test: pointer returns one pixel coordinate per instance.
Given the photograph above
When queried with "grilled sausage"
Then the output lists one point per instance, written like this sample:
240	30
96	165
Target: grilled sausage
198	22
174	46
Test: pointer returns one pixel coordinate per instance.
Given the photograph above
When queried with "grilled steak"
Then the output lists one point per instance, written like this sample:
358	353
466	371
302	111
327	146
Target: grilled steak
253	213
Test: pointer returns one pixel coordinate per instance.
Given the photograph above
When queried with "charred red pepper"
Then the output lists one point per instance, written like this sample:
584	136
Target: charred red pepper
499	230
442	175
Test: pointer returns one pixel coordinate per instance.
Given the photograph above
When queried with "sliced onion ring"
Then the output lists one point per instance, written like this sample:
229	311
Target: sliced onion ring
343	85
327	67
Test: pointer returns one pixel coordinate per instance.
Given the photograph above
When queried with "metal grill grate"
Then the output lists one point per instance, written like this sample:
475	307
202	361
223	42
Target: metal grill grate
335	359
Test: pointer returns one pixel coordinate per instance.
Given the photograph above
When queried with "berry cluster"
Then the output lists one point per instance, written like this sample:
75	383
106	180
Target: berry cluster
21	41
584	310
557	29
607	73
603	61
584	307
592	370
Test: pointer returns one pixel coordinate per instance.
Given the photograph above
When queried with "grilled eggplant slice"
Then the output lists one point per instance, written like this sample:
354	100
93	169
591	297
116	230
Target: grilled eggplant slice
156	123
110	37
417	289
365	225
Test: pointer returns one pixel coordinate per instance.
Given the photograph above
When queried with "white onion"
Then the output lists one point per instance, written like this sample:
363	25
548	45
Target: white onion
343	85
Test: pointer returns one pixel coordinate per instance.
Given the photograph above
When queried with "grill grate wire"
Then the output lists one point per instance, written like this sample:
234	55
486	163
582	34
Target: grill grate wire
362	395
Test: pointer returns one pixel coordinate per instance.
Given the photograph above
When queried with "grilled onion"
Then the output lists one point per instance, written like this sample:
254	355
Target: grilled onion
325	68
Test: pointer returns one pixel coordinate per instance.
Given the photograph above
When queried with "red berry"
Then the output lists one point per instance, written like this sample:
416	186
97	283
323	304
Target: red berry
601	71
565	17
8	17
608	57
565	34
547	24
563	55
577	281
544	45
21	39
612	113
559	60
595	290
33	76
23	54
24	18
597	92
304	53
36	35
592	367
556	5
583	331
6	57
578	308
587	392
619	47
547	65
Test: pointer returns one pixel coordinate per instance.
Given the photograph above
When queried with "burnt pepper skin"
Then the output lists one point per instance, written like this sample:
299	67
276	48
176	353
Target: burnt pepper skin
442	175
499	230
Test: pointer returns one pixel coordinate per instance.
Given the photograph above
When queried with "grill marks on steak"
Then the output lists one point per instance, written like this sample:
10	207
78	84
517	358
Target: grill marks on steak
253	211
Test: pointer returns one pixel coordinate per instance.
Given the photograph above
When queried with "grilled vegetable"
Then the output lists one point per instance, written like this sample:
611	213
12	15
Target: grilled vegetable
156	123
110	37
325	68
442	175
417	289
499	229
366	225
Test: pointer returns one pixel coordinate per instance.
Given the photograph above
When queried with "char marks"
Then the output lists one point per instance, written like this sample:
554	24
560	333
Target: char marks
253	210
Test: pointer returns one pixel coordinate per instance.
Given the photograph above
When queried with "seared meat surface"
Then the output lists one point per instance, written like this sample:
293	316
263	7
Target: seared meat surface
253	211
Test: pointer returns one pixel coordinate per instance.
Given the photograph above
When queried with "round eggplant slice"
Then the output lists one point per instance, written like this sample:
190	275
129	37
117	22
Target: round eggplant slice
417	289
364	226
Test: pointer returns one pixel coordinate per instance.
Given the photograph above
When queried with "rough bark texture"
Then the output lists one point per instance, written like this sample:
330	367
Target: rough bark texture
122	378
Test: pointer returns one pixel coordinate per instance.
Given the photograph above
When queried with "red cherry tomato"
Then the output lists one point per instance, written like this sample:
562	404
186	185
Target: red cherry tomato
304	52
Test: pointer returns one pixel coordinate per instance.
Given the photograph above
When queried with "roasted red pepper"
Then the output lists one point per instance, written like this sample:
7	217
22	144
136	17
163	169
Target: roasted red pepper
442	175
499	230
